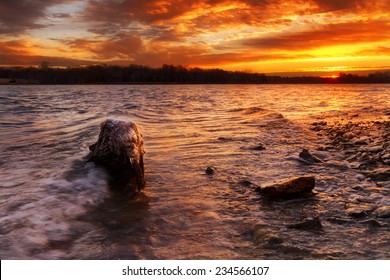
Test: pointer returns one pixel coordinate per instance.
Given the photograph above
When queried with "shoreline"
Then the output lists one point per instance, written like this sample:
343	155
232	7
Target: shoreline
173	83
365	143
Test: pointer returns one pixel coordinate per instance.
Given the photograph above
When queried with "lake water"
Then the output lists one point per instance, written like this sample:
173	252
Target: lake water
56	206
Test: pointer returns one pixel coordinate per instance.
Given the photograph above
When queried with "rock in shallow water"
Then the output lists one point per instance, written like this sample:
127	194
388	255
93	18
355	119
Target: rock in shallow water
309	224
259	147
308	157
288	188
210	170
383	212
266	237
379	174
359	210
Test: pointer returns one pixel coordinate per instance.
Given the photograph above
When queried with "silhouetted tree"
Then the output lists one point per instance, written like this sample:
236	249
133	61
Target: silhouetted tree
95	74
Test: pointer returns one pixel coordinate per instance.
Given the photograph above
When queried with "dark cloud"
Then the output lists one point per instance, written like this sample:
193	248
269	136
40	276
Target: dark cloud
125	46
156	13
20	15
161	17
122	46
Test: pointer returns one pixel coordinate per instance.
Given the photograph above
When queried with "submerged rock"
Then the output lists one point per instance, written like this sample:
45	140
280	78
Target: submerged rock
210	170
383	212
308	157
288	188
359	210
265	237
372	149
372	223
310	224
340	221
245	183
259	147
379	174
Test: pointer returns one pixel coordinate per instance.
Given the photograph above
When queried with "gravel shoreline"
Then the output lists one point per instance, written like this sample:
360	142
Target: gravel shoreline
365	143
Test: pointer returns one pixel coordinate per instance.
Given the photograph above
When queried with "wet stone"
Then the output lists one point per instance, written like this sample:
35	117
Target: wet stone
361	141
374	149
359	210
339	221
386	156
259	147
291	187
265	237
383	212
308	157
380	174
245	183
372	223
322	123
210	170
308	224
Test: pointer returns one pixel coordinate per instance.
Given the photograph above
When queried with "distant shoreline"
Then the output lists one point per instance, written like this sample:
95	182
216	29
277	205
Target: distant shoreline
161	83
167	74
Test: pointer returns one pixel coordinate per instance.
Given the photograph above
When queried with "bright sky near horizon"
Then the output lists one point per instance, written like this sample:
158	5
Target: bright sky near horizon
267	36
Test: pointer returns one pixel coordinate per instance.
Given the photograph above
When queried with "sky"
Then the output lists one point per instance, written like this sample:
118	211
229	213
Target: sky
265	36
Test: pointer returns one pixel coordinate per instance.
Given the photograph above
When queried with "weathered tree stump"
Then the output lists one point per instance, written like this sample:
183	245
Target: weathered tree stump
119	150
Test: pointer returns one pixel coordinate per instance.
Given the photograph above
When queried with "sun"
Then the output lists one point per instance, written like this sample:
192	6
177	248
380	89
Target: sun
331	76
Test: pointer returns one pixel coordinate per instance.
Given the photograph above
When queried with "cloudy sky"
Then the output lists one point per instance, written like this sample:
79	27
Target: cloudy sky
264	36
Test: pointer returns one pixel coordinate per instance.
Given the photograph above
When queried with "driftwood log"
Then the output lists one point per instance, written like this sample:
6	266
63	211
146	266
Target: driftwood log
119	150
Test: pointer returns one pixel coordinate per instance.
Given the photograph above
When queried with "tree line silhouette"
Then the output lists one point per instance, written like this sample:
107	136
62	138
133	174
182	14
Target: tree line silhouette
110	74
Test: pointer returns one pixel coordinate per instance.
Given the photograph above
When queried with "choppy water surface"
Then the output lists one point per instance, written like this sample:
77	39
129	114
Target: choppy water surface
55	206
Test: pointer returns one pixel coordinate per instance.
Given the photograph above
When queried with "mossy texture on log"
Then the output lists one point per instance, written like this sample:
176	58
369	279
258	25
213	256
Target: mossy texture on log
119	150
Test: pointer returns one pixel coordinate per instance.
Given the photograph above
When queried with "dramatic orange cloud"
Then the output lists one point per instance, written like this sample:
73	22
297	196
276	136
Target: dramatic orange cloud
255	35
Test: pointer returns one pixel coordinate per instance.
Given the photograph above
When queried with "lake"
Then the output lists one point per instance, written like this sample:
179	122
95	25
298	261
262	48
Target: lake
54	205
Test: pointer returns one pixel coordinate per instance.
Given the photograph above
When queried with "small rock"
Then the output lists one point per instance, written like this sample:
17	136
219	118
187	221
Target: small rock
265	237
245	183
339	165
308	157
372	223
259	147
360	177
358	188
310	224
290	187
374	149
340	221
380	174
383	212
361	141
273	240
385	156
355	198
322	123
210	170
359	211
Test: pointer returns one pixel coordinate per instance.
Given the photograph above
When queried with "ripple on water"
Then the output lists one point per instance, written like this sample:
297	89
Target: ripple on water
57	206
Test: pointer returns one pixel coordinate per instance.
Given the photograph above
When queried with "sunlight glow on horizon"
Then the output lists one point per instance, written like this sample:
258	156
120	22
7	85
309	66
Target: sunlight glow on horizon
282	36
